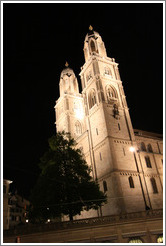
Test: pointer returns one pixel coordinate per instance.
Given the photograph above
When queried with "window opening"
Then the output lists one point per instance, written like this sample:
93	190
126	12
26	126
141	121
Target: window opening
148	163
100	157
143	148
105	186
93	48
131	182
92	99
78	127
149	147
154	186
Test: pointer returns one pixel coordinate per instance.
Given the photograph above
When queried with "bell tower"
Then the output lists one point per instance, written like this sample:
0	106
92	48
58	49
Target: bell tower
69	107
99	120
110	130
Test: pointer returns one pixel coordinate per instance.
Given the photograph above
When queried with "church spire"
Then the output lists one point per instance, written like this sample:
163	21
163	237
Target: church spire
93	44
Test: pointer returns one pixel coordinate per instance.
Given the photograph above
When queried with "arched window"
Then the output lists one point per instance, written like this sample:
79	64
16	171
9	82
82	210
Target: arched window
143	148
92	45
148	163
78	128
107	70
131	182
149	147
135	240
89	76
105	186
154	186
92	98
111	93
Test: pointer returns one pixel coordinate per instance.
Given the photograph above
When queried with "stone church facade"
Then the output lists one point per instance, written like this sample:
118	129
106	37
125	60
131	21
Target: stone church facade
127	163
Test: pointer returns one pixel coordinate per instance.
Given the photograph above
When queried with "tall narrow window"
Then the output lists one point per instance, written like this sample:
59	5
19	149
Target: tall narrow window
154	186
100	157
131	182
78	128
105	186
149	147
119	126
148	163
143	148
124	151
92	98
92	45
97	131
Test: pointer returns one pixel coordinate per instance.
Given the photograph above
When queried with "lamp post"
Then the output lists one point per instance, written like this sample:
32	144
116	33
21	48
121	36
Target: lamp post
132	149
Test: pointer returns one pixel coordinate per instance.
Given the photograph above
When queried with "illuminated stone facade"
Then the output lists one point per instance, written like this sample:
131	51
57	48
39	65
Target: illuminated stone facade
98	118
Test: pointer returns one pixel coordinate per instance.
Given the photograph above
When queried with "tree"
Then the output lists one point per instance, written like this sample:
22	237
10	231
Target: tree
65	185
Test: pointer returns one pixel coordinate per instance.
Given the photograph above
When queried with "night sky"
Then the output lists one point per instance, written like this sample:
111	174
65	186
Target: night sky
39	38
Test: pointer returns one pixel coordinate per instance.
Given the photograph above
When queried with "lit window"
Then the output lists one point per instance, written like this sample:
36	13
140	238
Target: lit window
135	240
154	186
131	182
148	163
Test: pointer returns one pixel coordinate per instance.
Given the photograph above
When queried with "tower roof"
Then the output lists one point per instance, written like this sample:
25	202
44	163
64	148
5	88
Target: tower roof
67	70
91	33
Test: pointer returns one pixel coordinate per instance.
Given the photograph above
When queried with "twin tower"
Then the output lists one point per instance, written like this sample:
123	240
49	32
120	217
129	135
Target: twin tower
98	118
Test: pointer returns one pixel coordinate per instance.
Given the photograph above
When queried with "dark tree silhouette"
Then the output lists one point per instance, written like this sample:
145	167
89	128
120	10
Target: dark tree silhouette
65	185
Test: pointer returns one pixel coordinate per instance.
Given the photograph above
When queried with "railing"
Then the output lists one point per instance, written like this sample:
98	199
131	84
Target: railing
114	219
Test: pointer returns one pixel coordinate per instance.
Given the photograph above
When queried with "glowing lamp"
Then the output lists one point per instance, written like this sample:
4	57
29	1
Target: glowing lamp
132	149
79	114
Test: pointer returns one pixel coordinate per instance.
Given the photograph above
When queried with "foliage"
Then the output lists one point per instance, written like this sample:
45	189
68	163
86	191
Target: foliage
65	185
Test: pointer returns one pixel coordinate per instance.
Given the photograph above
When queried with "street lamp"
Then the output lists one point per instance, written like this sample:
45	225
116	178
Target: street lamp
132	149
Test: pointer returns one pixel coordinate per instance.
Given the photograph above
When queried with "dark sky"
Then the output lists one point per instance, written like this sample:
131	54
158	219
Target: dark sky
39	38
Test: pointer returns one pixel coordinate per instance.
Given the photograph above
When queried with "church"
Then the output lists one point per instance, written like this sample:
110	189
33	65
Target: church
127	163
